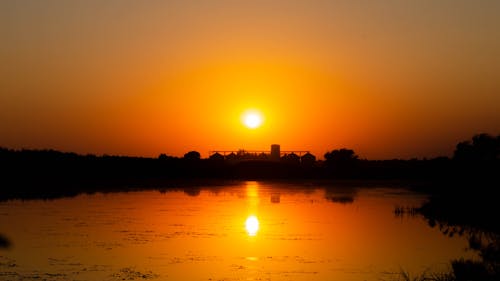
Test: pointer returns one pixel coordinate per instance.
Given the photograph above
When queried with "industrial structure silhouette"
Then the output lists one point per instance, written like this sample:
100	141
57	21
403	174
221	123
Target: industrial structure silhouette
275	155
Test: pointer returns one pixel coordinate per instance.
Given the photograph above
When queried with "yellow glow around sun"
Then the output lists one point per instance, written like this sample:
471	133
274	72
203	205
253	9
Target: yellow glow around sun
252	225
252	119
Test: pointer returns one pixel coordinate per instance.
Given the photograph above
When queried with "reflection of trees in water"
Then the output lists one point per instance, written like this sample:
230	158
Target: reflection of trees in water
341	195
342	199
402	211
192	191
4	242
486	244
472	217
337	194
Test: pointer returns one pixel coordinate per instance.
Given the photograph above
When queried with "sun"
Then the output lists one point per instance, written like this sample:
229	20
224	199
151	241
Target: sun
252	119
252	225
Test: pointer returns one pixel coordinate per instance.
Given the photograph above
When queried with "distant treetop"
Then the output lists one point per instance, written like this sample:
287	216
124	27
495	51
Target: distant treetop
483	147
192	155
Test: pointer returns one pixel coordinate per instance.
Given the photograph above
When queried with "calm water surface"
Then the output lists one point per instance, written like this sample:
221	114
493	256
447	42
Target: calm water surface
295	232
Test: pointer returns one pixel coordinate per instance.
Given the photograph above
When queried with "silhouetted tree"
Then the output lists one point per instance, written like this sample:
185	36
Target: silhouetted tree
483	147
343	162
192	155
340	156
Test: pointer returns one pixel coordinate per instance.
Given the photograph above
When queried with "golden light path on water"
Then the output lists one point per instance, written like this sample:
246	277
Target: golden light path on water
239	231
252	222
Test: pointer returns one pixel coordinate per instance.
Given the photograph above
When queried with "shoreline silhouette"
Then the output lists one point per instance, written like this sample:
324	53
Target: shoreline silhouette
50	173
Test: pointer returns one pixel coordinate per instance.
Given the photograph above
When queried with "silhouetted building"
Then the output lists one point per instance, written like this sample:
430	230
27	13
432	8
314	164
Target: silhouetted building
275	155
216	157
291	158
231	156
308	159
275	152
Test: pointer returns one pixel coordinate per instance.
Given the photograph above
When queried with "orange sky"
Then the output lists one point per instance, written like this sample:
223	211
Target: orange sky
389	79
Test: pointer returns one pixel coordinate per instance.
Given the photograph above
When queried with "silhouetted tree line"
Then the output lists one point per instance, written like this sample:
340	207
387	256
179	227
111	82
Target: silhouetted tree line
468	206
41	172
483	149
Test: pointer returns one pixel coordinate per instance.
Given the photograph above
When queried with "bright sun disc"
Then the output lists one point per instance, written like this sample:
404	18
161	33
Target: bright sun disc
252	225
252	119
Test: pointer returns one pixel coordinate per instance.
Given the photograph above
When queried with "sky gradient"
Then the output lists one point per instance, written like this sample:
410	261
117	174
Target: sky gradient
389	79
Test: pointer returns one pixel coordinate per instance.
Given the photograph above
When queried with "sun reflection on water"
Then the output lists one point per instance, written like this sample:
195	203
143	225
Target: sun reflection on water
252	225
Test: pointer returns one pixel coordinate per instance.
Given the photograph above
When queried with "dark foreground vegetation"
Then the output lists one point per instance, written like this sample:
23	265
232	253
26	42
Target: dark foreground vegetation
471	213
474	216
465	203
45	170
49	173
